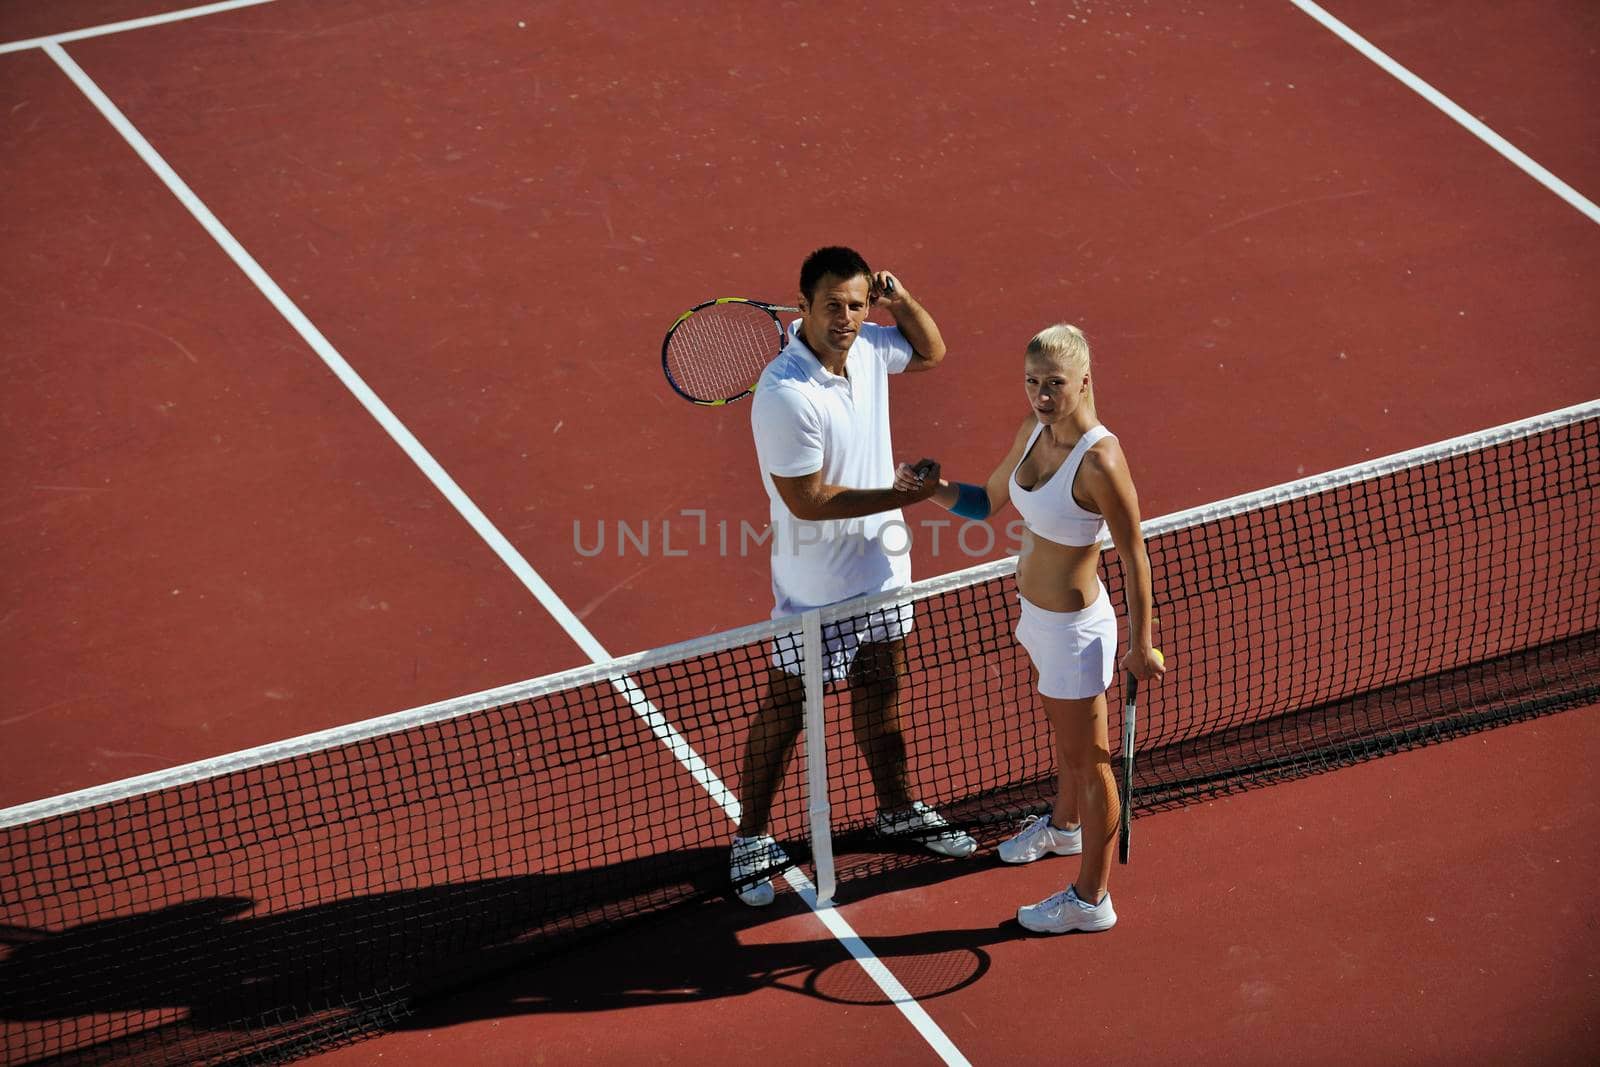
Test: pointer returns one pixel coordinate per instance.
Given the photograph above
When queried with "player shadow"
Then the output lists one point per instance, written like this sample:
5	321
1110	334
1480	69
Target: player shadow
208	978
700	957
732	954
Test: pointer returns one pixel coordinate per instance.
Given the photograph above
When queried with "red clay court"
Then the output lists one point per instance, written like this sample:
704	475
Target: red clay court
326	322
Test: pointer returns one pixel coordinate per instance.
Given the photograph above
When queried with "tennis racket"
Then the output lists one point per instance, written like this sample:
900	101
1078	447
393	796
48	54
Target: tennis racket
1130	692
715	351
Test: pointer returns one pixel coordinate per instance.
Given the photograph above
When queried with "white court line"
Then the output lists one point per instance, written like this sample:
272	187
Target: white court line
330	356
879	972
1477	128
1433	96
129	24
691	760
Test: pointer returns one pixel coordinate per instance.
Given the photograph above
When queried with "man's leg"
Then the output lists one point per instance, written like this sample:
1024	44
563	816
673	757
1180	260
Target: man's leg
875	719
875	681
768	744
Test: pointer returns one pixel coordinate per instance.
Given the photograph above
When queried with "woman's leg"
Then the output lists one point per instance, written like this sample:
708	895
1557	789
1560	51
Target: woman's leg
1064	816
1084	755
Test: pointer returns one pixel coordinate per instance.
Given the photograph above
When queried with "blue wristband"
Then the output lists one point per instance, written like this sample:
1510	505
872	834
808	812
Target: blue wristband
972	501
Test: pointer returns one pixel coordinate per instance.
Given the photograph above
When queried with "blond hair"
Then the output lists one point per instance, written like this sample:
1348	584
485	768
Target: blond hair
1065	344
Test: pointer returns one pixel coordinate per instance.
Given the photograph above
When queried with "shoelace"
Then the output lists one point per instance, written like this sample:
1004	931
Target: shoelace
1055	900
919	819
912	819
931	821
1034	827
755	856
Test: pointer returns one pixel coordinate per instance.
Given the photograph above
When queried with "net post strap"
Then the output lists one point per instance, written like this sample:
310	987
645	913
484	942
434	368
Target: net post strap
820	811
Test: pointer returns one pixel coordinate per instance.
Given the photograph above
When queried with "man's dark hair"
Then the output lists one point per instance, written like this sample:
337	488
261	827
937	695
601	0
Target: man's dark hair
840	262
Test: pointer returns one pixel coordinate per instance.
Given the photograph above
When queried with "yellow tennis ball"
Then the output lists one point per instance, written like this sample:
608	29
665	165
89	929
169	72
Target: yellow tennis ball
1156	652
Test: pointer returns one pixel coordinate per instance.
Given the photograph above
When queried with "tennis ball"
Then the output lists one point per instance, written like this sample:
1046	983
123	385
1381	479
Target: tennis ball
1156	652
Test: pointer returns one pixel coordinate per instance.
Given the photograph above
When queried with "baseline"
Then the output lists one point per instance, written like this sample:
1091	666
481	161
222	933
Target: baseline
129	24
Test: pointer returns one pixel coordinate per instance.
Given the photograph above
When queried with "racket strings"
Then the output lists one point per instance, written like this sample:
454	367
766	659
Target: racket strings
718	352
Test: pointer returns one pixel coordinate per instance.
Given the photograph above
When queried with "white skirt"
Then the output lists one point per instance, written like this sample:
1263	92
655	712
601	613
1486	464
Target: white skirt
1074	651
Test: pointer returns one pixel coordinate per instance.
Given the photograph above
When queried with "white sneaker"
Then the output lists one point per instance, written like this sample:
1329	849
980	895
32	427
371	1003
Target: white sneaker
926	826
1041	838
748	859
1064	911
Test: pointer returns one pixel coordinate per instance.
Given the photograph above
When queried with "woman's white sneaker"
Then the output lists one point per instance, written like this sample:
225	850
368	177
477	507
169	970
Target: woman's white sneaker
1063	911
1039	838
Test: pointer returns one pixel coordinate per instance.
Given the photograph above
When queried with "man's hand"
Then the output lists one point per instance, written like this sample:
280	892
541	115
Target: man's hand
911	318
887	292
919	481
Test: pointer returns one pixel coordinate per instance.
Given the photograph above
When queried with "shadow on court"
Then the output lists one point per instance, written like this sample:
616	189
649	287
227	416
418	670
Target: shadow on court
211	979
208	979
651	966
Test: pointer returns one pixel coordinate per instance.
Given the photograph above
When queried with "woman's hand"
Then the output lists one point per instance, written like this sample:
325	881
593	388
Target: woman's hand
1144	662
919	480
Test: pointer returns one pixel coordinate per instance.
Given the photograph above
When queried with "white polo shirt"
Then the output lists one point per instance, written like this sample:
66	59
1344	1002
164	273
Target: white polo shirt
807	419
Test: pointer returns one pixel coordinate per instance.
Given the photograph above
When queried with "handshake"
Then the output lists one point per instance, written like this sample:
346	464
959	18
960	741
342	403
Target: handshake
919	480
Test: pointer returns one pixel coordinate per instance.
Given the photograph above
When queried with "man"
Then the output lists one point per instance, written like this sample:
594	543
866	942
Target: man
821	424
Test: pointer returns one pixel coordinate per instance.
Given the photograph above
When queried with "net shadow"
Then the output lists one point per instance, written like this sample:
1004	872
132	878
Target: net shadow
308	980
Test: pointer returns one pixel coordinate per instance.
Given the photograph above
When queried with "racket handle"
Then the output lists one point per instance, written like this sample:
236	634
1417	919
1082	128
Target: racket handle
1130	686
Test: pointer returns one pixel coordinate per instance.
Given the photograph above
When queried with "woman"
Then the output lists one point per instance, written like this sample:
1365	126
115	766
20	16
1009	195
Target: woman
1069	480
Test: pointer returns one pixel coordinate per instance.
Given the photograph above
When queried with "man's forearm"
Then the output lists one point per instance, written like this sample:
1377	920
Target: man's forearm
918	327
838	502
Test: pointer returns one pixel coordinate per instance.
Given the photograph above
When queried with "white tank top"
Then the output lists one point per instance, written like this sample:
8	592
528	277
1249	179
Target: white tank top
1049	509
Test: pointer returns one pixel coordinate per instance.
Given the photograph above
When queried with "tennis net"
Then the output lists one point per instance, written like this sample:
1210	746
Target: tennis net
279	901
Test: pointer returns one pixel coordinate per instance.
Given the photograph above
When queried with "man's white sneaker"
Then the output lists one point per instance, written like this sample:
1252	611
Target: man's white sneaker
1041	838
1063	911
928	828
750	858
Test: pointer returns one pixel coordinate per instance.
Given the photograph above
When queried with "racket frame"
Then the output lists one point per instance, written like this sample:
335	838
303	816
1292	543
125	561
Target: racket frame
772	310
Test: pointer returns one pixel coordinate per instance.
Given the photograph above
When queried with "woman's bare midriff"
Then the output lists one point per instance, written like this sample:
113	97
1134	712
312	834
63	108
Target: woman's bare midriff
1057	577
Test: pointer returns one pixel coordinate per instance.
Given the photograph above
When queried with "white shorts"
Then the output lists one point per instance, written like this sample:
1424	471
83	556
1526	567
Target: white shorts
842	639
841	567
1074	651
848	566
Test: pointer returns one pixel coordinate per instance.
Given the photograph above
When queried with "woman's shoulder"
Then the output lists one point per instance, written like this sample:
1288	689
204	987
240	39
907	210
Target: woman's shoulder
1104	457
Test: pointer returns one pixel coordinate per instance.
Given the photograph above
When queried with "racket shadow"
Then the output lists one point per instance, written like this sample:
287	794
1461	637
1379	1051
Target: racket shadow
926	966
